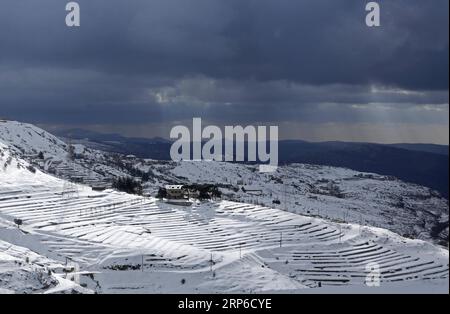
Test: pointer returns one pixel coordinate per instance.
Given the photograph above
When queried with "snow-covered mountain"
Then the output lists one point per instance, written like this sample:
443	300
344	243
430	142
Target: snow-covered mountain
47	152
328	192
30	140
309	237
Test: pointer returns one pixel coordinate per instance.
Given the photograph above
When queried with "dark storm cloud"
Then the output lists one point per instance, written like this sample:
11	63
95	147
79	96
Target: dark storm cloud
231	60
313	42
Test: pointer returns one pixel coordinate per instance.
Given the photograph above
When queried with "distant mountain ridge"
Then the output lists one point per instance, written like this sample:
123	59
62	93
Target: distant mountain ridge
156	148
429	148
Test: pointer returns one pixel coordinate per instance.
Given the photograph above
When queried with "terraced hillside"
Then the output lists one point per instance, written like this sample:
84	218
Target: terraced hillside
336	194
126	243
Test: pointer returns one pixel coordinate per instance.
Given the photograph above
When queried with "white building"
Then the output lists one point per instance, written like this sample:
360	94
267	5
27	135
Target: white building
175	192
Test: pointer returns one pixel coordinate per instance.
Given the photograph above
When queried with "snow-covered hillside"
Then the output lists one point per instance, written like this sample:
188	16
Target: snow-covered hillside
125	243
332	193
335	194
23	271
31	140
48	153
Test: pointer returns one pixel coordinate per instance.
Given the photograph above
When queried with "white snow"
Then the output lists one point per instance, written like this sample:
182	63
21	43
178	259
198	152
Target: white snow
130	244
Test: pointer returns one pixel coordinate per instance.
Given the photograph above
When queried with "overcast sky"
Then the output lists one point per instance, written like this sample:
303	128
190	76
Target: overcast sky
312	67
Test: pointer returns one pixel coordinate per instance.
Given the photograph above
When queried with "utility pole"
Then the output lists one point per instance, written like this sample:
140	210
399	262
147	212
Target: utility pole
345	215
211	263
360	223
